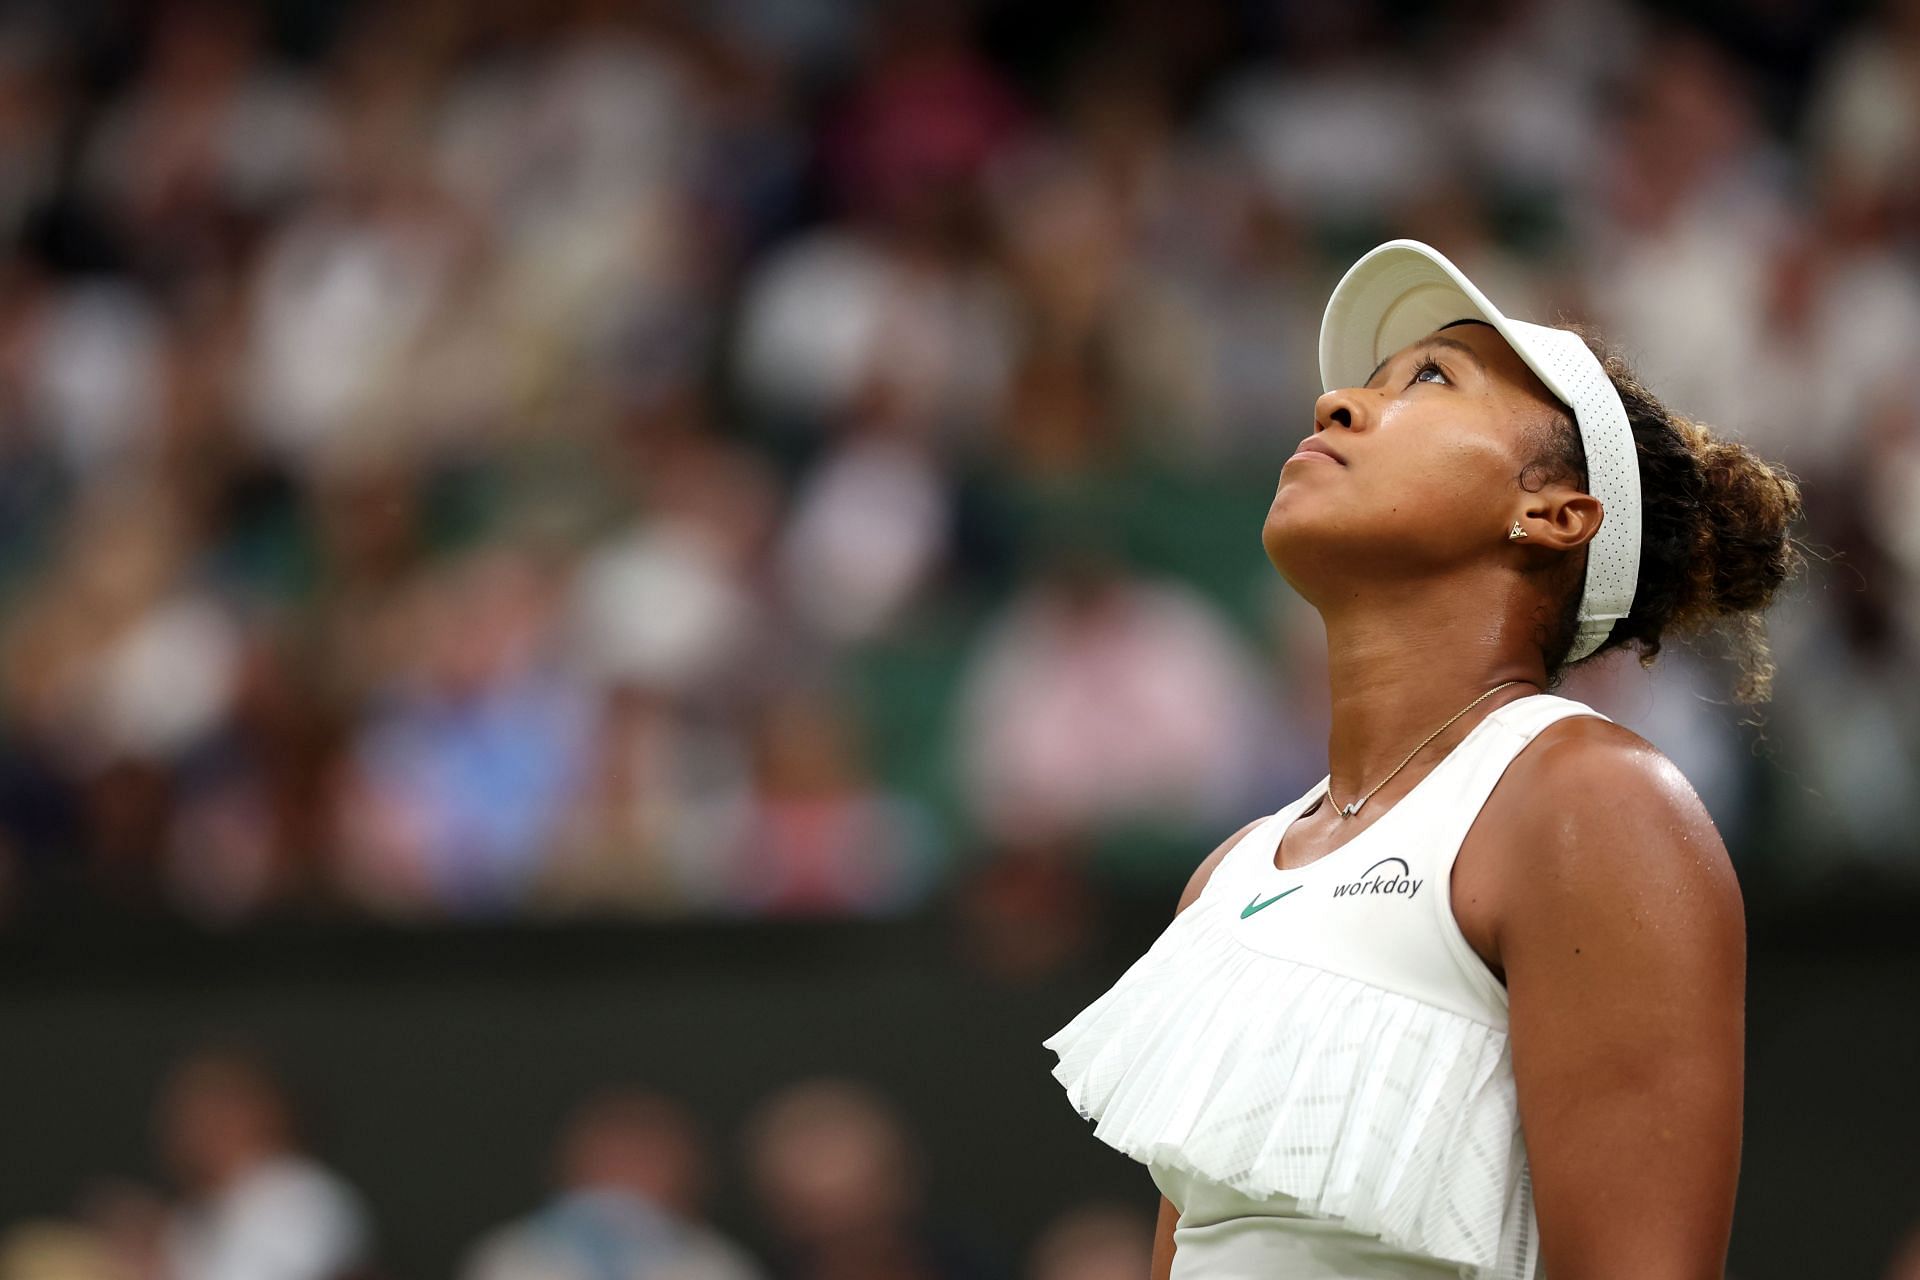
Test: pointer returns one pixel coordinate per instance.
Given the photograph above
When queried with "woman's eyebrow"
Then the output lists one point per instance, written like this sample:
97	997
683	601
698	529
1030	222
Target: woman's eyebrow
1427	344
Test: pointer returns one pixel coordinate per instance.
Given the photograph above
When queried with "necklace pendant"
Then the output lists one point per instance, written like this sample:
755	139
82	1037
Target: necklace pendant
1347	811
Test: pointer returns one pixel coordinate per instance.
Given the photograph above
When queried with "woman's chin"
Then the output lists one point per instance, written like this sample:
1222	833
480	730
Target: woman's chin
1279	539
1287	521
1298	541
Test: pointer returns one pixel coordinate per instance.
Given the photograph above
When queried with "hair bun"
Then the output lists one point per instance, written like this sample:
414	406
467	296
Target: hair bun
1745	551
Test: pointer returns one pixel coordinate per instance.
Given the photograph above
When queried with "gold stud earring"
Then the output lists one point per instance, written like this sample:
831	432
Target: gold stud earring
1516	533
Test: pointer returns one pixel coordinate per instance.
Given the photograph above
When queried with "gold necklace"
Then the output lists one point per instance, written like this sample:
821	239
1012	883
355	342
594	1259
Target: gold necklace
1347	811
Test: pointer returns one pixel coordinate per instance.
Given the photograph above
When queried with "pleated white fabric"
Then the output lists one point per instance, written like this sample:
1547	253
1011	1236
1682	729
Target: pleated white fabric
1278	1079
1329	1044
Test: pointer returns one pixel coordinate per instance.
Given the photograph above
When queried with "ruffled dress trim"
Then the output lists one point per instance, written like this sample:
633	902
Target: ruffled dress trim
1276	1078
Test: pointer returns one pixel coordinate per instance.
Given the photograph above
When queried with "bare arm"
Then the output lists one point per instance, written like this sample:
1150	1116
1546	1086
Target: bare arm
1163	1241
1619	926
1169	1216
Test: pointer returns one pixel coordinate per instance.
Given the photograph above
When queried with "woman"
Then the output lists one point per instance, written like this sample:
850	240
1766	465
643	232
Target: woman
1500	913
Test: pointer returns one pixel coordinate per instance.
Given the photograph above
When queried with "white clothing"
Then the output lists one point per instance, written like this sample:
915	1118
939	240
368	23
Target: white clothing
285	1219
1313	1062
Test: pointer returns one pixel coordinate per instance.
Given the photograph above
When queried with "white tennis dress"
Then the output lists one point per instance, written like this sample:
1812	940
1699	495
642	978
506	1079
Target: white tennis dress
1313	1063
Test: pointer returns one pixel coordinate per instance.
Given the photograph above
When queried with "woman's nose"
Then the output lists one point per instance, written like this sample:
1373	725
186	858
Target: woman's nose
1336	409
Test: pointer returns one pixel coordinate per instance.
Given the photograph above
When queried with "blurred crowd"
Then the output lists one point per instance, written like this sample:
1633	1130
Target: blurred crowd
800	456
834	1178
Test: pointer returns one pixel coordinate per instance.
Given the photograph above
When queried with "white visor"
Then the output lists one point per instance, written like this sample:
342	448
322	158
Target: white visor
1403	291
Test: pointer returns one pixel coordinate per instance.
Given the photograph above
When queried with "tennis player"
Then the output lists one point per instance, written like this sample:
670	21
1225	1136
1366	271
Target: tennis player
1472	1006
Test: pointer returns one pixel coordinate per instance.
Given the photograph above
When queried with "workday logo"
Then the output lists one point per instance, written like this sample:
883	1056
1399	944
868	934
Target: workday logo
1399	882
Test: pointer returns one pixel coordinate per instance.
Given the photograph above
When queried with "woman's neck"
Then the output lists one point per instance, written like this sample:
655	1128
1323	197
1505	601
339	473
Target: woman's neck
1399	667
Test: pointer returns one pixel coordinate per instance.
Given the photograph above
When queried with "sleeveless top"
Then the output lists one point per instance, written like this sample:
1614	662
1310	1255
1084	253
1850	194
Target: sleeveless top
1313	1063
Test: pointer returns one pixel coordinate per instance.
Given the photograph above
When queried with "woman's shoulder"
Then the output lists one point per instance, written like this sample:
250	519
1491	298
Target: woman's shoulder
1583	760
1593	803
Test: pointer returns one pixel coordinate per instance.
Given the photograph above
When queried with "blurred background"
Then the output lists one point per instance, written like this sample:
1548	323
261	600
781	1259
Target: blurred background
609	610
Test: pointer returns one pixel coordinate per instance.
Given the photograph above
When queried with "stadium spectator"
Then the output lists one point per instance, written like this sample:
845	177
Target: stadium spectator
839	1189
633	1181
639	836
816	835
57	1251
255	1206
457	782
1099	698
1093	1242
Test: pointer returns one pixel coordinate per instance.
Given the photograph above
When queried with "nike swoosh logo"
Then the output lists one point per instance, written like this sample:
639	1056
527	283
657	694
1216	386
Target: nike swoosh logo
1254	904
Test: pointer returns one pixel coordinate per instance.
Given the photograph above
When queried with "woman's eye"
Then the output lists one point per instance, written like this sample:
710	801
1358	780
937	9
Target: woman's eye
1429	367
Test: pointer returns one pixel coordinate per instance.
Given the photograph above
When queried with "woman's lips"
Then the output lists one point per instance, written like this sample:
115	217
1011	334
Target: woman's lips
1311	447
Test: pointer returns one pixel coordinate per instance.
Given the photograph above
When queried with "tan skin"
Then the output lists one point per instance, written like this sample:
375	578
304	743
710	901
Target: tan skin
1593	882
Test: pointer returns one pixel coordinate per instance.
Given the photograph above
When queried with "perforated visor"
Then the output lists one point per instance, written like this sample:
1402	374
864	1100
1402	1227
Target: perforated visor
1403	291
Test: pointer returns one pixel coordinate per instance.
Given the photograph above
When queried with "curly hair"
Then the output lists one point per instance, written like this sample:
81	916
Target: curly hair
1715	543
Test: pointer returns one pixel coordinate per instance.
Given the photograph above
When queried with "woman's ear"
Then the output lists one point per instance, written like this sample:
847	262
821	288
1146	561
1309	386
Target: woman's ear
1558	519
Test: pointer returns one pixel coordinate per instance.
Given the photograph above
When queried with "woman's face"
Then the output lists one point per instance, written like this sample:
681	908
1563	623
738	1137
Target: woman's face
1416	473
